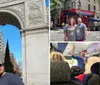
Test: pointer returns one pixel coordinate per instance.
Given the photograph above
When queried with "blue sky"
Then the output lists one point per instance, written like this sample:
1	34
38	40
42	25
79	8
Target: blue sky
12	34
47	2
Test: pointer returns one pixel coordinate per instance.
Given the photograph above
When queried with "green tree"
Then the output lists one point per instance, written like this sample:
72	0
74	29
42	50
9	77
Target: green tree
56	6
7	61
98	1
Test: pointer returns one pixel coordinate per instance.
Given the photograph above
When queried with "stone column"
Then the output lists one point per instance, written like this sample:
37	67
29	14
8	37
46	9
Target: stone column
24	61
36	57
35	44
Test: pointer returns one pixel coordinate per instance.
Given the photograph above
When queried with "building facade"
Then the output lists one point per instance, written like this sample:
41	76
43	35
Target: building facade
85	8
2	47
90	5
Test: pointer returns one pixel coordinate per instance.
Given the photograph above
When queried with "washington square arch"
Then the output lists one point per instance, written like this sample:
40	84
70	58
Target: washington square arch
30	16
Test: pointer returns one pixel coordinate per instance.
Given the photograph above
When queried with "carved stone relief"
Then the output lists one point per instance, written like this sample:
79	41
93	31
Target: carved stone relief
19	8
6	1
35	12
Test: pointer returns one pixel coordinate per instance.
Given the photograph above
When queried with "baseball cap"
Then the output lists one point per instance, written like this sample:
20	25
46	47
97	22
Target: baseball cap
84	50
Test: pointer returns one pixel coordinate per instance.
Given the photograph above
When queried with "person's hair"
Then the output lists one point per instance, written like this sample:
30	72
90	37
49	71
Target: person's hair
75	71
80	18
69	21
57	56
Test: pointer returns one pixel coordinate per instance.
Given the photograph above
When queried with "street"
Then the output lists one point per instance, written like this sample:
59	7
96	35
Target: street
57	35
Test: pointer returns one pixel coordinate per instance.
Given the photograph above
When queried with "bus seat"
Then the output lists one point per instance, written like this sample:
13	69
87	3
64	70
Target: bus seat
90	62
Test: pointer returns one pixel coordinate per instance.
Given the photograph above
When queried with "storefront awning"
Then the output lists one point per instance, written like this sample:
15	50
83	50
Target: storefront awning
69	13
84	13
94	20
79	12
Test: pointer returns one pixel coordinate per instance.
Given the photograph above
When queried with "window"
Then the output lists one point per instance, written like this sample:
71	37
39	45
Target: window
68	5
89	7
72	4
79	5
94	8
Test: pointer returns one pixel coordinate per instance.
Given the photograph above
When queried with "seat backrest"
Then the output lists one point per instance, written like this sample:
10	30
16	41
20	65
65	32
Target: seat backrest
68	83
59	72
95	68
94	80
90	62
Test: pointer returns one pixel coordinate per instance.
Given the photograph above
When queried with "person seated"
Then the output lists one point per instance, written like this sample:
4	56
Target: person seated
75	71
84	78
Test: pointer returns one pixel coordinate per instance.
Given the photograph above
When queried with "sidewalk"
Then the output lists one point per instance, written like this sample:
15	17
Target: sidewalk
58	30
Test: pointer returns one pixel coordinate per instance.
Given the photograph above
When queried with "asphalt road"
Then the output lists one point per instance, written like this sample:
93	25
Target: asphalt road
57	35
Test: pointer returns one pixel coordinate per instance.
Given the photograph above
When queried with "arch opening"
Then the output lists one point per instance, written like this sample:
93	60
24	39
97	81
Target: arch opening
8	20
